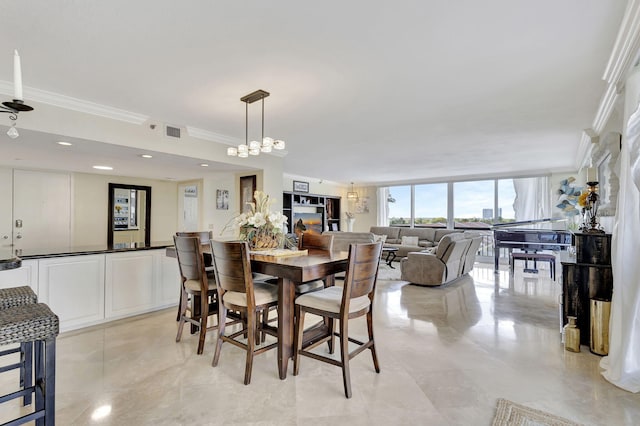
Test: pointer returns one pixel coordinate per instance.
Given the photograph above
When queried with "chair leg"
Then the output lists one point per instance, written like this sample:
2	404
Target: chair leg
222	321
204	316
26	367
182	310
373	344
298	332
344	357
332	332
251	345
50	382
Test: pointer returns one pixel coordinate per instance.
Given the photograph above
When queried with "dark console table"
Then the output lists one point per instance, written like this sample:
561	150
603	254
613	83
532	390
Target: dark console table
586	276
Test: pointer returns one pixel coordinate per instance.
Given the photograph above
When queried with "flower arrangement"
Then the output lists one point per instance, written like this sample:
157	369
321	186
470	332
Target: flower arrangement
260	227
583	200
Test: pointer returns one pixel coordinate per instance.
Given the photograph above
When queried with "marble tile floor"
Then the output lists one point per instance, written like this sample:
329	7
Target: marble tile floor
446	355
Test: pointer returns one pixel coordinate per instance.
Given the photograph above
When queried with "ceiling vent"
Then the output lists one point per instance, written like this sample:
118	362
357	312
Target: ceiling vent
172	132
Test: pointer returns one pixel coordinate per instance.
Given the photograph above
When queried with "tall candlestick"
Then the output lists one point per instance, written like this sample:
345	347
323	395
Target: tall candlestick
17	76
592	174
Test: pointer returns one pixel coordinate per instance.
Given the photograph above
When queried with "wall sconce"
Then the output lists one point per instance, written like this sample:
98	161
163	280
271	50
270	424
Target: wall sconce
18	105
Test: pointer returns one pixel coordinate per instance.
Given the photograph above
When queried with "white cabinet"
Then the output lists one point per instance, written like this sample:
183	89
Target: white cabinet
169	286
27	274
90	289
73	287
129	282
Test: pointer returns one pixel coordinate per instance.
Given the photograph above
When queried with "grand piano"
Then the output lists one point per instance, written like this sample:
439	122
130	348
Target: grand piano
510	236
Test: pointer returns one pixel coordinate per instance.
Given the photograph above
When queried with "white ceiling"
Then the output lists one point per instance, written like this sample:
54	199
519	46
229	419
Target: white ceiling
361	91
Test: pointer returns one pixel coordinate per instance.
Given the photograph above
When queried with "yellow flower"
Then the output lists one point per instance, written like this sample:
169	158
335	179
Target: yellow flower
582	200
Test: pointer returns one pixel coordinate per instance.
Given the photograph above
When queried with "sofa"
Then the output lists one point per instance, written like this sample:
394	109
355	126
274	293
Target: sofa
453	258
408	240
341	240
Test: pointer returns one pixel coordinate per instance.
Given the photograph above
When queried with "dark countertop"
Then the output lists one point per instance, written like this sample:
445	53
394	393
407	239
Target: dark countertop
7	254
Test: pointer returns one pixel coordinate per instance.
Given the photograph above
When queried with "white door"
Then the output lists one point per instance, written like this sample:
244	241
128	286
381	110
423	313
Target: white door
188	207
41	209
6	206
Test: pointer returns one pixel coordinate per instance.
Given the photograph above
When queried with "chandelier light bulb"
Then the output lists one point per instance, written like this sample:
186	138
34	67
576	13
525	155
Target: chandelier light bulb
278	144
254	145
232	151
13	132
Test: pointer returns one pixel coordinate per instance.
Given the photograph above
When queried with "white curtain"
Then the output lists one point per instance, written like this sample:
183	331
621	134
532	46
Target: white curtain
532	198
622	365
383	206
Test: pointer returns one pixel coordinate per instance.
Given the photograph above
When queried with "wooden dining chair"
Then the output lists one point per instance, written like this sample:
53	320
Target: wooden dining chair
194	283
313	242
353	300
205	237
237	291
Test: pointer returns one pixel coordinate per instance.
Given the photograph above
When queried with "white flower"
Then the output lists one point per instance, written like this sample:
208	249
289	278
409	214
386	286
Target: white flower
257	220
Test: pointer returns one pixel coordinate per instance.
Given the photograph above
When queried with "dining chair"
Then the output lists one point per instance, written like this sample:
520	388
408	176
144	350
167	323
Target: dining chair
194	283
205	237
237	291
353	300
313	242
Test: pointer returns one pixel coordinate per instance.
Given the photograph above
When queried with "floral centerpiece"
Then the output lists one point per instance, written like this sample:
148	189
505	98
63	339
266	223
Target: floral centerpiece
260	227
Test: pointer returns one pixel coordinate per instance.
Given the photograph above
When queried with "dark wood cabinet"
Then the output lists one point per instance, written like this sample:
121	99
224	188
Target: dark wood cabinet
296	205
587	276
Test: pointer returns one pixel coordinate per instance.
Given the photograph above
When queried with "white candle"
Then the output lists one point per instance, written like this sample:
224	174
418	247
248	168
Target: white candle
592	174
17	76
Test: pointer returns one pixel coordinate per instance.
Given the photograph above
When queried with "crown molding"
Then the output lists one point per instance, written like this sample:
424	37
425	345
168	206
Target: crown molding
212	136
623	57
75	104
625	48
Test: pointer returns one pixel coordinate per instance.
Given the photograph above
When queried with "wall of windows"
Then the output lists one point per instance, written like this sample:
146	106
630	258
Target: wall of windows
462	205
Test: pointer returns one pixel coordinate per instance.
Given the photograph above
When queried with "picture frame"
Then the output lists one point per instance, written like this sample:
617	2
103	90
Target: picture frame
299	186
247	189
222	199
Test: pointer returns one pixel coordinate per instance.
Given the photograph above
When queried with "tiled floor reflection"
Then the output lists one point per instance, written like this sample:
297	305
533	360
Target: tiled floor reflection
446	355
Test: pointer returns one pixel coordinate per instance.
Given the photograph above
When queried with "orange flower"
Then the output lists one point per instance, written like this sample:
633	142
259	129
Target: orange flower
582	200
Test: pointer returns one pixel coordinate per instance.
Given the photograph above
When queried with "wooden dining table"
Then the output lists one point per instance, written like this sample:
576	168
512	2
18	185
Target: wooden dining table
292	271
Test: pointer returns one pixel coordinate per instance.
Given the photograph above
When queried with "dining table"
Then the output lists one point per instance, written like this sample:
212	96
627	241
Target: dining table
292	271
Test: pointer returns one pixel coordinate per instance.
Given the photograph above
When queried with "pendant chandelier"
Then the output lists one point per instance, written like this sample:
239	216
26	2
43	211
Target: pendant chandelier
352	195
18	105
254	147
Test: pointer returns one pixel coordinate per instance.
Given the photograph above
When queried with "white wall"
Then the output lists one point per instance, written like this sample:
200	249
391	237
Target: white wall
91	207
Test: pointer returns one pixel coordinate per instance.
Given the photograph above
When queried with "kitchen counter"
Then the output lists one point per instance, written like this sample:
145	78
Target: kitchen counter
42	253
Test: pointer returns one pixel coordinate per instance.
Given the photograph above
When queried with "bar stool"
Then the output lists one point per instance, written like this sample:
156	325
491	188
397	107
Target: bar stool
17	296
34	324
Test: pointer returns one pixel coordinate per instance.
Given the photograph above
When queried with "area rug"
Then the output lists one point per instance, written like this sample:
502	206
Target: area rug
387	273
511	414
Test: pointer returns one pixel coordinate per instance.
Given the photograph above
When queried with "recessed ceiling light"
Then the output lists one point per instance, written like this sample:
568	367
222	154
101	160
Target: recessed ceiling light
63	143
204	165
146	156
103	167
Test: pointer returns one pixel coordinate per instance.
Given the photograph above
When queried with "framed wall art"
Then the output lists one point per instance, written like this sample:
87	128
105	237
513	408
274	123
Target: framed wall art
222	199
299	186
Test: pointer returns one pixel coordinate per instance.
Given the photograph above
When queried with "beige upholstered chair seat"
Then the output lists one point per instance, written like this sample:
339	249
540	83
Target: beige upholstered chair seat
194	285
264	293
309	286
330	299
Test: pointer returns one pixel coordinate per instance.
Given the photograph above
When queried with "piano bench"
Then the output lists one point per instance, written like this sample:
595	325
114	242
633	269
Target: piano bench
536	257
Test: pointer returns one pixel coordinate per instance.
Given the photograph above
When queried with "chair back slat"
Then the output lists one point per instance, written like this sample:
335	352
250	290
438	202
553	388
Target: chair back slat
232	265
315	241
205	236
189	254
362	270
